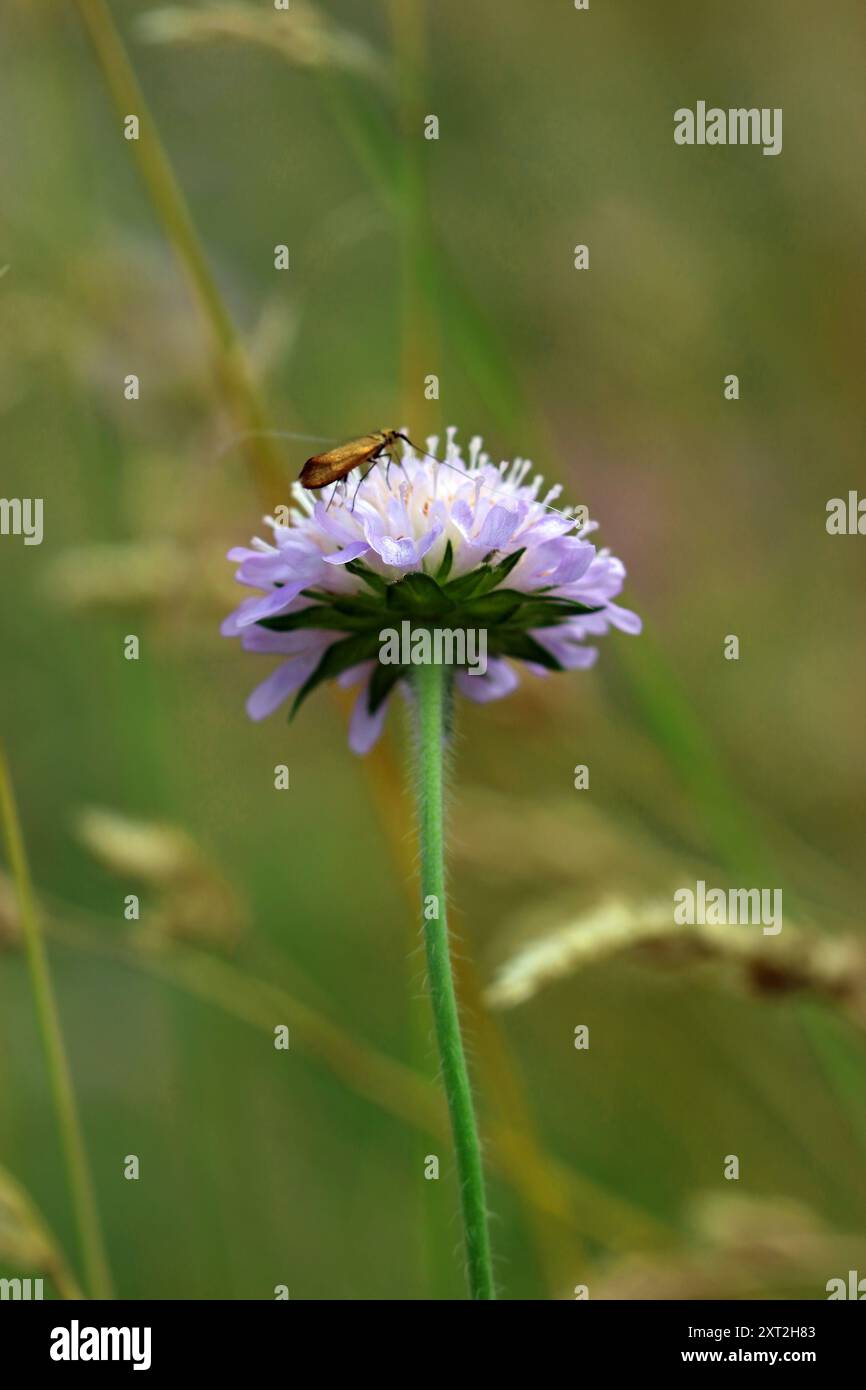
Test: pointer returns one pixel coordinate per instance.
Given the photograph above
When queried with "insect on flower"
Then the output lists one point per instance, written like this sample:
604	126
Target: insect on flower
462	545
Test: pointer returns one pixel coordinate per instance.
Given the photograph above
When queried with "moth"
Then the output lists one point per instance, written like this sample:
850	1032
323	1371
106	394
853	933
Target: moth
336	464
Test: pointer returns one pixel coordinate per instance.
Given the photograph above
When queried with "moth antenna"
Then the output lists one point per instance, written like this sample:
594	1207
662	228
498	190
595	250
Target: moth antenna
270	434
445	464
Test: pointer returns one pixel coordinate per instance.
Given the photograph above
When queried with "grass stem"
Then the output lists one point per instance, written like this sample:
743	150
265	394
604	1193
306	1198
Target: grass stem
97	1272
173	211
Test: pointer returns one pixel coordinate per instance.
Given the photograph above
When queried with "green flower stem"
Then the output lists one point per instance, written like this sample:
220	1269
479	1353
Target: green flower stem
432	689
72	1139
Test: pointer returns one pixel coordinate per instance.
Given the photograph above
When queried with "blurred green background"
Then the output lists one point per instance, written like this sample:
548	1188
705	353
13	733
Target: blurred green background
453	257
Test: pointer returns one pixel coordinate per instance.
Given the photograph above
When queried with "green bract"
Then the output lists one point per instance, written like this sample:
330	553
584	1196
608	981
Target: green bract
474	600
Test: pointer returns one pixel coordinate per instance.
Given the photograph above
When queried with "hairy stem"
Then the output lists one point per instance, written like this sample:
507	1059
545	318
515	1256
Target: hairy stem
431	684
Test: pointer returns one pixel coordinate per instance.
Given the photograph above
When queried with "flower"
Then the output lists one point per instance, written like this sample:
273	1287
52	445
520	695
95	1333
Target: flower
455	542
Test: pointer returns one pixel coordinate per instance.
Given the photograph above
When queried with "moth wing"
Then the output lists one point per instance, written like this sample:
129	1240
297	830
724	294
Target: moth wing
318	471
326	468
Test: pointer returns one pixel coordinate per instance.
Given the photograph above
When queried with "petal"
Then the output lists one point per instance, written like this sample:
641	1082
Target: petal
268	606
239	553
335	523
623	618
602	580
462	516
293	560
498	527
353	674
576	558
364	727
404	552
499	680
261	639
234	624
565	646
351	552
281	683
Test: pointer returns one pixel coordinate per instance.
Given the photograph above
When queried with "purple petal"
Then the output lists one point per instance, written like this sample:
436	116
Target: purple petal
405	552
261	639
623	618
233	625
281	683
577	556
335	524
268	606
560	561
239	553
351	552
498	527
602	580
463	516
353	674
564	645
364	727
260	571
499	680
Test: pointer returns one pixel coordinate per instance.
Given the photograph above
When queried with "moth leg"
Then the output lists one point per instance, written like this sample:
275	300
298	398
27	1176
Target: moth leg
362	479
340	487
397	463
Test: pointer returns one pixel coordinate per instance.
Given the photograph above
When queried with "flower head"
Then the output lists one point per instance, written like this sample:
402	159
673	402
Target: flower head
456	544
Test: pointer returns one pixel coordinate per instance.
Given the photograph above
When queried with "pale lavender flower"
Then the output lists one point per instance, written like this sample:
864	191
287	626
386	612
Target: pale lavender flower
495	555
